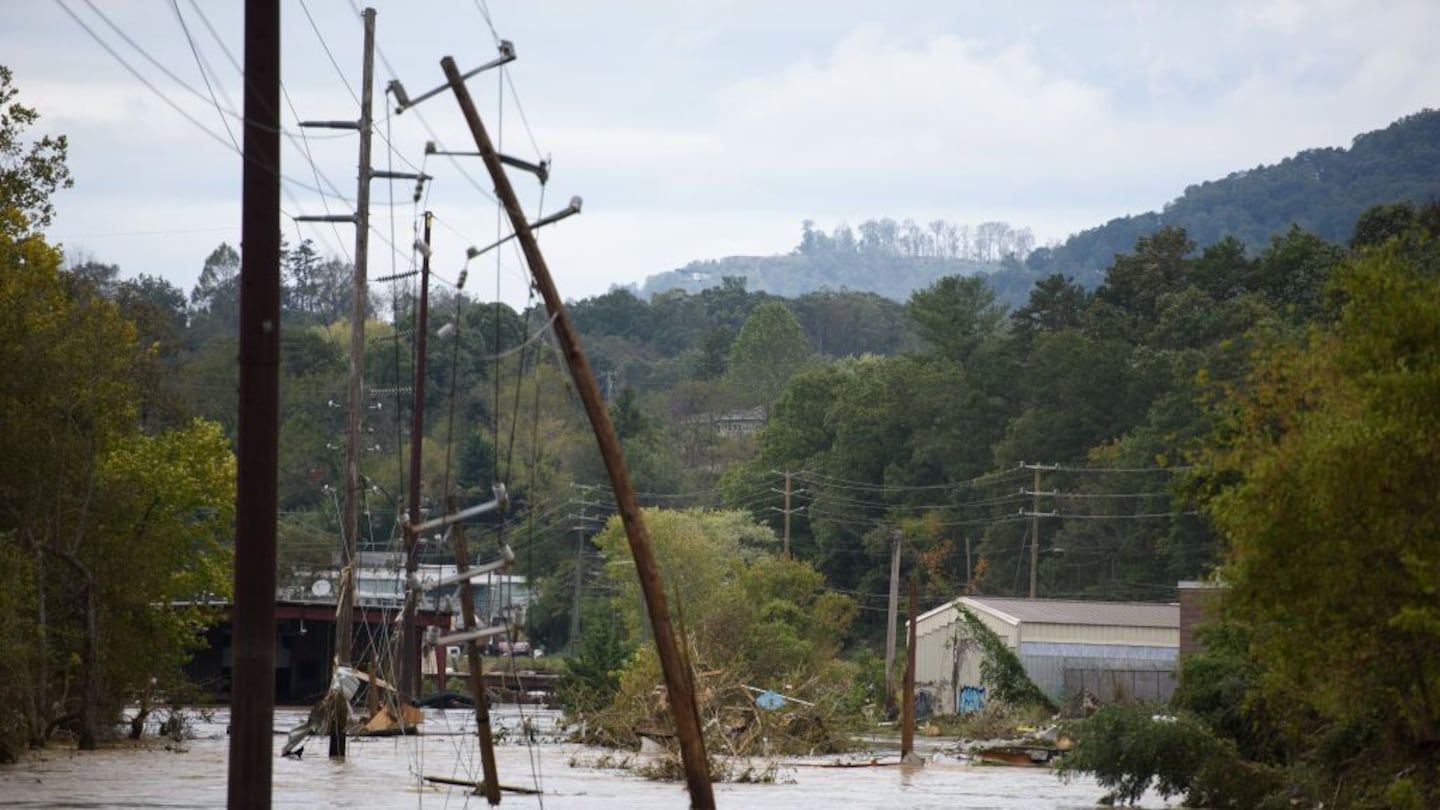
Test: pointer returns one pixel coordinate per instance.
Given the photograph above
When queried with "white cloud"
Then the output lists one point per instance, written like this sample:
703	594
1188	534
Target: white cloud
696	129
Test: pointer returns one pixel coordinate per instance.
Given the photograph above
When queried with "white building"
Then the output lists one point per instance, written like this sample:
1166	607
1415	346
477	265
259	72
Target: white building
380	583
1114	650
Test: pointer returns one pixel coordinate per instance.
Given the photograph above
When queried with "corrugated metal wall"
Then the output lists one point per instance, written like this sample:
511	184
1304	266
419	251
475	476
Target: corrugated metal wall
1111	672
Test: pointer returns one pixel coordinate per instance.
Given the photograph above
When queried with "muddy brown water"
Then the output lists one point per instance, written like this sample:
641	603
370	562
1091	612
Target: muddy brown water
389	773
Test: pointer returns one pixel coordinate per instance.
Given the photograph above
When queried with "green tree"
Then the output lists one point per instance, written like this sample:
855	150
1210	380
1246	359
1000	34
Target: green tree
29	173
159	552
1056	303
215	299
956	315
157	308
66	397
1137	281
770	349
743	605
1322	474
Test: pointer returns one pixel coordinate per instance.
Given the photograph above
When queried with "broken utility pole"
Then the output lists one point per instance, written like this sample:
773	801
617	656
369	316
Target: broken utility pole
677	677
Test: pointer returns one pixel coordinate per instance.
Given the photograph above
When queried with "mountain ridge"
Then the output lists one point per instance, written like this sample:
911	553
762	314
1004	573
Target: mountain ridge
1321	190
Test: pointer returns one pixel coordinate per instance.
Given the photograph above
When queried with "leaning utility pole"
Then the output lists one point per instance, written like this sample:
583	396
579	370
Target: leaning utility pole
677	676
473	662
257	434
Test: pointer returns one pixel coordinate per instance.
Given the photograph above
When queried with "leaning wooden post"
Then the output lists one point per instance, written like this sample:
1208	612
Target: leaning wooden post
677	677
491	785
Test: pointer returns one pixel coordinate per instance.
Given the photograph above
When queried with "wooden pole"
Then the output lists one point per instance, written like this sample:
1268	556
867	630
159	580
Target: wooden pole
1035	536
891	618
257	435
410	637
359	310
677	677
579	588
476	665
787	513
907	710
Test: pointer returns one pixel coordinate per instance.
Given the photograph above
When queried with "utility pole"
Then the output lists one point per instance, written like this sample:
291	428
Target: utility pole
359	311
579	586
678	677
257	441
969	576
788	492
787	513
410	639
891	617
907	709
1035	535
473	662
1035	515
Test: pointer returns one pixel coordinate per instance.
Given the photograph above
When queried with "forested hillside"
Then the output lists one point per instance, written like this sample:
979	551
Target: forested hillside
1322	191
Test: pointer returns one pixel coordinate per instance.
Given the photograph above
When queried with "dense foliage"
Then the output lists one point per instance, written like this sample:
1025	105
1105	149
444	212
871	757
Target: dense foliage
1327	459
1130	750
751	619
1319	681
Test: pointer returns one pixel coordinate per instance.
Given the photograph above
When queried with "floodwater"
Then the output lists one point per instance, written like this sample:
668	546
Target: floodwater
389	773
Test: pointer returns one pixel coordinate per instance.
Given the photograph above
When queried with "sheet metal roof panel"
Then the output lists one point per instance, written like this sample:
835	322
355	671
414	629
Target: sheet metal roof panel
1068	611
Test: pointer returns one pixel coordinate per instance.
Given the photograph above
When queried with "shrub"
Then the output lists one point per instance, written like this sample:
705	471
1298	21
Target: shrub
1129	750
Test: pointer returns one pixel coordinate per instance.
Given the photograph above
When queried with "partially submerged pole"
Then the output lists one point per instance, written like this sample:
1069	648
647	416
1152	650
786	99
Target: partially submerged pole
491	785
907	711
257	436
677	676
359	309
409	680
891	615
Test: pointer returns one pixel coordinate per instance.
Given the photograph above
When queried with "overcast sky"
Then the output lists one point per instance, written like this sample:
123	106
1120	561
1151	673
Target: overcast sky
699	129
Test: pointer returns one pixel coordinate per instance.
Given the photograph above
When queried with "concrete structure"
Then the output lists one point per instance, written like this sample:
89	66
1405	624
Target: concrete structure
1114	650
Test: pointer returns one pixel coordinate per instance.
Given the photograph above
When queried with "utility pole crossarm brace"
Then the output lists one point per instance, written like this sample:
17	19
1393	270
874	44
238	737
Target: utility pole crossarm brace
472	635
568	211
403	101
500	502
331	124
507	558
540	170
382	174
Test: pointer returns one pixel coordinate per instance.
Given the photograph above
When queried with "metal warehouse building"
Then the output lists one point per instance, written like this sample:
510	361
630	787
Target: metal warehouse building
1114	650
